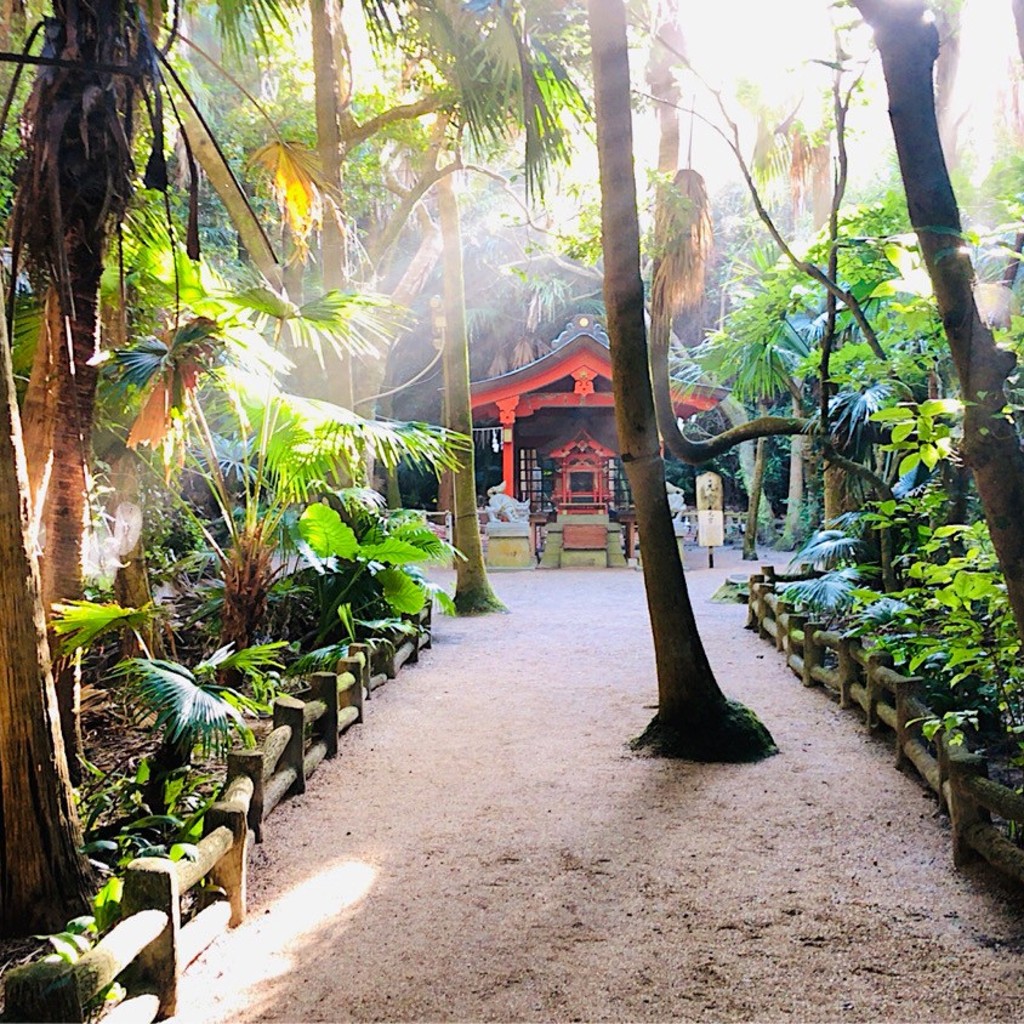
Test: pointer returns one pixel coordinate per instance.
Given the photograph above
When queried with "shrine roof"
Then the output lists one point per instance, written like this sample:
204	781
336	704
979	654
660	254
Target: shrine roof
582	345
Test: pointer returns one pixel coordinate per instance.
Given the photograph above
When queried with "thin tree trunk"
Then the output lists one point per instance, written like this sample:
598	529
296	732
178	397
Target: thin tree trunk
44	880
694	718
754	505
473	591
908	43
131	581
795	497
325	20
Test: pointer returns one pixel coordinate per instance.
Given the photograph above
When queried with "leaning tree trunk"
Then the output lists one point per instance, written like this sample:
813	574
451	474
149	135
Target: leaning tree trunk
473	592
694	718
44	880
908	43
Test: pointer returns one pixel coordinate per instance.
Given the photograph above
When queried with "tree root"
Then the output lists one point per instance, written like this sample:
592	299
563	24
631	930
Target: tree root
733	735
478	602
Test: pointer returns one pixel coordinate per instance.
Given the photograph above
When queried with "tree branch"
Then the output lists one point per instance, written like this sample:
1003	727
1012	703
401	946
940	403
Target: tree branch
352	135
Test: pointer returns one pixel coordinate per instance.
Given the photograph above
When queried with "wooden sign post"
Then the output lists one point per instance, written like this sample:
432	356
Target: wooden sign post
710	514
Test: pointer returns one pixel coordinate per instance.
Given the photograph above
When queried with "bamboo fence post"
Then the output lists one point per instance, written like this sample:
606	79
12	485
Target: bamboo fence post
354	650
905	689
151	883
752	598
289	711
781	625
251	764
427	626
763	611
355	695
767	587
797	624
873	685
231	872
847	671
414	621
324	686
390	647
813	652
964	810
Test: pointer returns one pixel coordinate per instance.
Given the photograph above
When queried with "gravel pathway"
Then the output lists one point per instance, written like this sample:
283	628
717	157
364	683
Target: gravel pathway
487	849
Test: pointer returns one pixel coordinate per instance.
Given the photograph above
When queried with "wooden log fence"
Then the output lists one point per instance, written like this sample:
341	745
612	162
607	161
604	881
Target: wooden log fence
152	945
861	678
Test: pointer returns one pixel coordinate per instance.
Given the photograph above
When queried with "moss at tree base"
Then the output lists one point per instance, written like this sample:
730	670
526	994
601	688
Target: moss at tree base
478	601
734	736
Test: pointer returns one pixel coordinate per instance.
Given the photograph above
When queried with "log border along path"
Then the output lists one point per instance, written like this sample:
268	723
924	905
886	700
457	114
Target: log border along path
491	850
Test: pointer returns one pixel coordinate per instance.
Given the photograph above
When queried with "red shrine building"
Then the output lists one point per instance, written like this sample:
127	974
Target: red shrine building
557	430
558	442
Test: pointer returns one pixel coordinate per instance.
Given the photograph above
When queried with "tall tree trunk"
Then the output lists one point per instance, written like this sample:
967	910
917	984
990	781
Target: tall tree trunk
75	184
754	504
908	43
947	22
795	497
325	21
44	880
473	591
694	718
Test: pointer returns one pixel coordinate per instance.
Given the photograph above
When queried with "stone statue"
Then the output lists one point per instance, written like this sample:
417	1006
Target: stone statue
676	501
504	509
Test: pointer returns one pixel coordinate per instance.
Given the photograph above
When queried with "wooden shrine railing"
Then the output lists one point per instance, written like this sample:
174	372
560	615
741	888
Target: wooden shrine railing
862	678
151	945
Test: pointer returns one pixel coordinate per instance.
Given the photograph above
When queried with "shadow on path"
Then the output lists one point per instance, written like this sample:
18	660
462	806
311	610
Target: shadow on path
486	848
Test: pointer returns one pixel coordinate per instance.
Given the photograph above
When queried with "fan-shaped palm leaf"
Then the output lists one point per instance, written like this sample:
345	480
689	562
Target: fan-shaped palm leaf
187	712
828	548
830	594
850	414
79	623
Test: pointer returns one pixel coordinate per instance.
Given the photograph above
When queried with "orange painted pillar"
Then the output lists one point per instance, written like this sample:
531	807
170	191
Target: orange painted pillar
507	418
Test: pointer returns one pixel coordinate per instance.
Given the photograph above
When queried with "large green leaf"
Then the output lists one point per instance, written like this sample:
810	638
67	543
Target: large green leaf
394	551
321	528
401	592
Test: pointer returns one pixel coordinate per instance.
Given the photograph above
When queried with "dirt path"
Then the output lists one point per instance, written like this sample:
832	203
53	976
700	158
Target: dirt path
487	849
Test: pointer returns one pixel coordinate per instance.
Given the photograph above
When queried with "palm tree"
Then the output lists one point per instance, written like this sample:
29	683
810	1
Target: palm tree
473	591
694	718
43	877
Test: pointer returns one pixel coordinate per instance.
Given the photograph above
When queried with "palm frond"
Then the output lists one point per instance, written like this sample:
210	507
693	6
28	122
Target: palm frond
79	623
882	612
829	595
253	660
850	413
241	22
828	548
322	659
186	711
